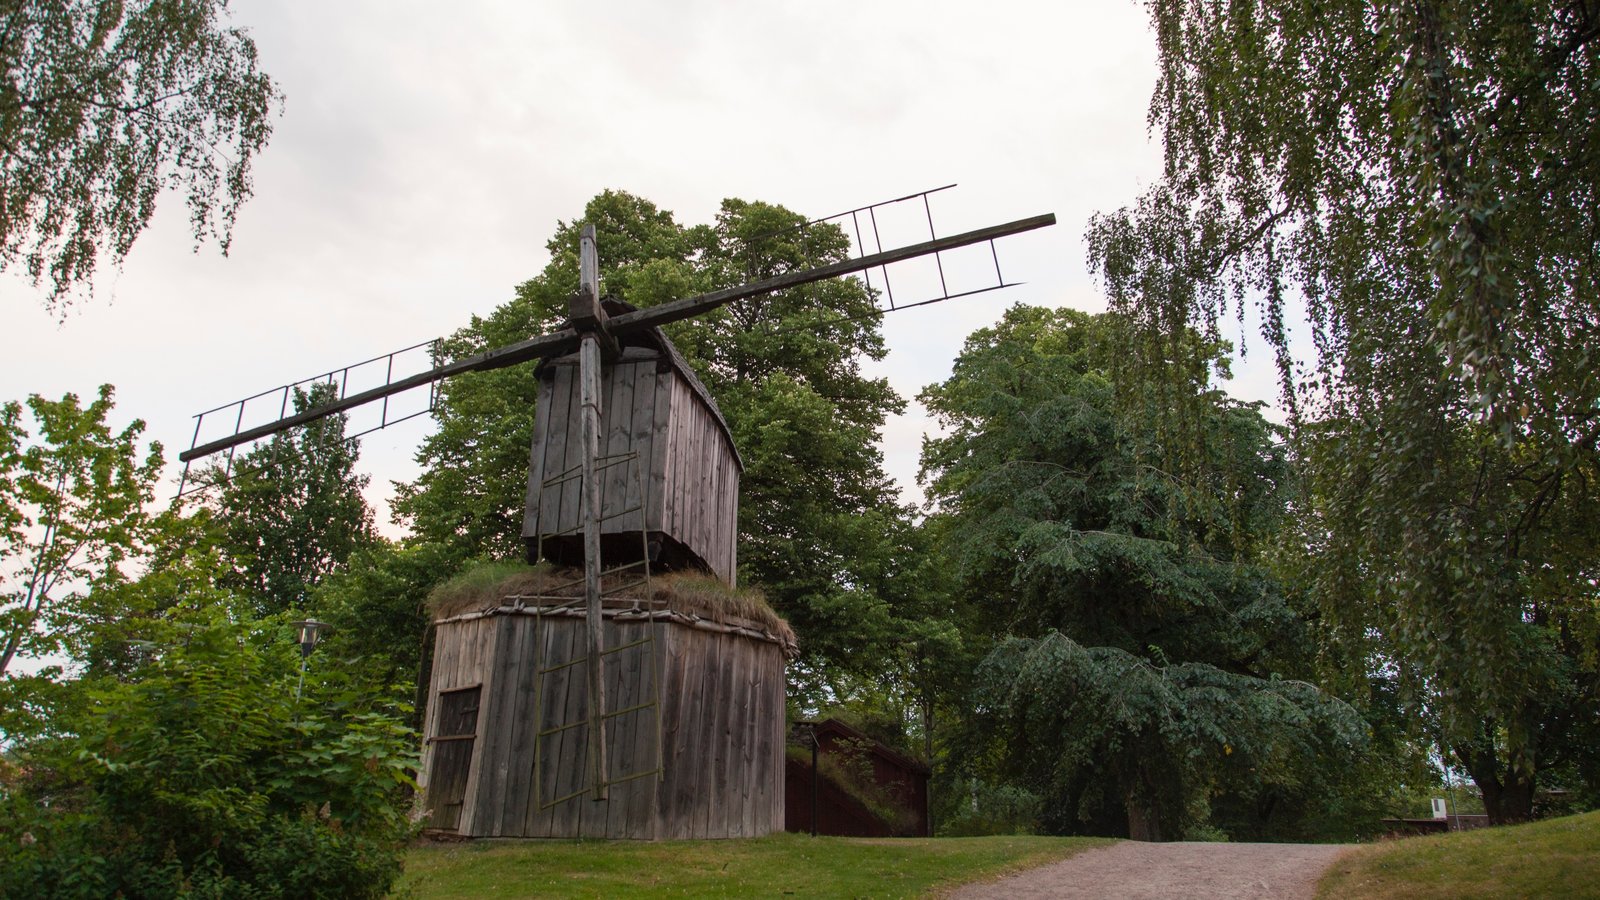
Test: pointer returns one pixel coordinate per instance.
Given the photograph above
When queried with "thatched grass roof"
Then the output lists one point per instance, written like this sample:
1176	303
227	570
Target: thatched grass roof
490	585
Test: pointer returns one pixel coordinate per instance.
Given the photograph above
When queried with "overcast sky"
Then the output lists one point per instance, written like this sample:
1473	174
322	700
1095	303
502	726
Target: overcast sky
426	151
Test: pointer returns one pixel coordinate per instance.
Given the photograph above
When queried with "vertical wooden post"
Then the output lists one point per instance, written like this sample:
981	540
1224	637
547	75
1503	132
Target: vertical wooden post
589	396
814	778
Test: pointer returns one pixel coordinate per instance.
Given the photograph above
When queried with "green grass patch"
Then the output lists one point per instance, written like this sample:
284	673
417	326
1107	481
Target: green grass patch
772	866
484	585
1553	858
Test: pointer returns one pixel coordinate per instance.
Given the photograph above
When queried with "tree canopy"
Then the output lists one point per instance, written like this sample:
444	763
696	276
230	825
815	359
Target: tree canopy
291	511
103	108
177	742
1146	660
72	513
1418	182
216	764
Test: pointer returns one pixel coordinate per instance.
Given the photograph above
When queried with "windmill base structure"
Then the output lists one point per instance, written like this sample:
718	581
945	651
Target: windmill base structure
596	711
693	721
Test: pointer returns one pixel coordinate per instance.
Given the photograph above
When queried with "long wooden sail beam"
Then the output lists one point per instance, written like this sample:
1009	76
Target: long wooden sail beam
566	340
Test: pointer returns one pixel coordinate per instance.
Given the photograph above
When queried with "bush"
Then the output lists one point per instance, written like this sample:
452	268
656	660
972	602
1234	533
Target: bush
206	776
983	808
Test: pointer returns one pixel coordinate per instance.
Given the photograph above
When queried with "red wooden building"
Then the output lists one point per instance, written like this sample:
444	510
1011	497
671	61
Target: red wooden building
867	788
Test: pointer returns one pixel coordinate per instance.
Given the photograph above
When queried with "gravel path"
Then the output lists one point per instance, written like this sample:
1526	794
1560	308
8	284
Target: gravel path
1134	869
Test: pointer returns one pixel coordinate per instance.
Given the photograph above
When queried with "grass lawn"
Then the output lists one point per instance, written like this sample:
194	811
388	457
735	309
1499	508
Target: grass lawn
767	867
1553	858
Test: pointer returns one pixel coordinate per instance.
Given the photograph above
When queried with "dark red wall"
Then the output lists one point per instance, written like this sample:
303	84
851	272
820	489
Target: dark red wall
900	778
895	776
837	812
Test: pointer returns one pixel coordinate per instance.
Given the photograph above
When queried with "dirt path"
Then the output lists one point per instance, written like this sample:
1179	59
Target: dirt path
1133	869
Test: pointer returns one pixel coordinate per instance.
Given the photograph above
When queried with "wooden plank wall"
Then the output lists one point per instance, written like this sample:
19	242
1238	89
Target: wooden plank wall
721	731
700	491
686	475
722	737
628	412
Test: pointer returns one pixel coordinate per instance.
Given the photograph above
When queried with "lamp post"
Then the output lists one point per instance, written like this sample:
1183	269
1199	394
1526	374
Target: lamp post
814	776
310	633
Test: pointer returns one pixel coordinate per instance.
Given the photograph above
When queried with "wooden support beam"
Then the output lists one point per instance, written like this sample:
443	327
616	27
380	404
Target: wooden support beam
589	318
690	307
589	394
586	312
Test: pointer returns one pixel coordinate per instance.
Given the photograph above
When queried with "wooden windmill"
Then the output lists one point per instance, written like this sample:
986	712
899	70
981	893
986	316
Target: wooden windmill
675	727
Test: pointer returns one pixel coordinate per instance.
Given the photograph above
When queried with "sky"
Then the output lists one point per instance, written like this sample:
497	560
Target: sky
425	153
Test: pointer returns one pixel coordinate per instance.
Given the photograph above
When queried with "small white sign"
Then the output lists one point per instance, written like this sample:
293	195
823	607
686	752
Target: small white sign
1439	809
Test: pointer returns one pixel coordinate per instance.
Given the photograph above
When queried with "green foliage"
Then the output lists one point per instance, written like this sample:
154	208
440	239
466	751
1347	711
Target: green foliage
291	510
819	527
377	604
1153	731
207	773
974	807
1049	505
181	759
1421	173
72	513
1419	180
1156	660
1388	774
180	553
105	106
1486	602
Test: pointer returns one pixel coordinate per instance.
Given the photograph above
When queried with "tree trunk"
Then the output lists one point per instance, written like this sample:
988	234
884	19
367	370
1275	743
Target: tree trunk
1509	802
1143	799
927	752
1144	820
1507	788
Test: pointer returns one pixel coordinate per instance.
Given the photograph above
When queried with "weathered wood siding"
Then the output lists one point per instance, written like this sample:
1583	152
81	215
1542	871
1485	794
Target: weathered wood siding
683	483
719	769
700	481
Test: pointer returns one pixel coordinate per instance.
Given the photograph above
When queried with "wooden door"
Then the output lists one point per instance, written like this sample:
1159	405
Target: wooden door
454	736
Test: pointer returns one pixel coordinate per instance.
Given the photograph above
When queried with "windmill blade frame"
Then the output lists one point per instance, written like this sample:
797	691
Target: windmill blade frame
566	340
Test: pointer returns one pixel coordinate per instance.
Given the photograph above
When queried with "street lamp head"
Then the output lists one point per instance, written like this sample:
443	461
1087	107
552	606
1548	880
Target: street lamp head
310	633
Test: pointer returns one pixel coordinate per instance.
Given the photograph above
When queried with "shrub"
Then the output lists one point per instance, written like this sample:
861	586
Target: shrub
206	776
984	808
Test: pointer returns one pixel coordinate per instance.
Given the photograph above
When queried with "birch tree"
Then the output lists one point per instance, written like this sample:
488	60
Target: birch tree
72	511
